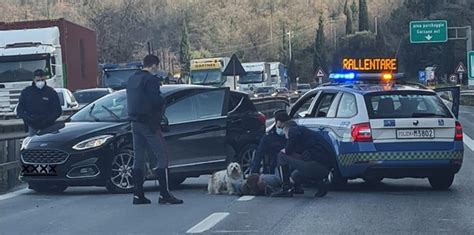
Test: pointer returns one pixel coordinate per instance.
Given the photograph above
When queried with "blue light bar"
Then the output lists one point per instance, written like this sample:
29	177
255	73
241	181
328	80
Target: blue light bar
342	76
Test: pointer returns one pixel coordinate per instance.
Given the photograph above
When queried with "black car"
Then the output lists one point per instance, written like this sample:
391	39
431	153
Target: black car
206	128
87	96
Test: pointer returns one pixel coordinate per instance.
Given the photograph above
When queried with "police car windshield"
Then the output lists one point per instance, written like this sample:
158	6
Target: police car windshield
406	105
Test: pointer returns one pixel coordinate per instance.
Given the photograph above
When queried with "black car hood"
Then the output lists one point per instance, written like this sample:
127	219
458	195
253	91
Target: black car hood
62	132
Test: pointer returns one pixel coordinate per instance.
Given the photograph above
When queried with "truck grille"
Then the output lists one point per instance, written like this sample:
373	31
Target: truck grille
44	156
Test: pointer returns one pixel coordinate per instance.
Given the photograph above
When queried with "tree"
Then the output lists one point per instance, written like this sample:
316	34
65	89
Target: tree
348	14
184	51
320	57
355	12
292	73
363	16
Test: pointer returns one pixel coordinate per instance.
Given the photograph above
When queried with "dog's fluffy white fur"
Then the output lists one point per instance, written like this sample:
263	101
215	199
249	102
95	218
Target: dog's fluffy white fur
223	181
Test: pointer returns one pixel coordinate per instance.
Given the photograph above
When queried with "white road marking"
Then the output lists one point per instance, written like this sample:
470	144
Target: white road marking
14	194
208	222
468	142
245	198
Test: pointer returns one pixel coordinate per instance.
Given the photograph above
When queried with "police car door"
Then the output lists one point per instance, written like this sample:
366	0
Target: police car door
301	110
322	112
451	97
197	129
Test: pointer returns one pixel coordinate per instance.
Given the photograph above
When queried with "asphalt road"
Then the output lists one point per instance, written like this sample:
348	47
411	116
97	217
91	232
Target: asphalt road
403	206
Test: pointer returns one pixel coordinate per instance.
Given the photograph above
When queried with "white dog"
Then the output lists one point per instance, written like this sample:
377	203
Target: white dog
224	181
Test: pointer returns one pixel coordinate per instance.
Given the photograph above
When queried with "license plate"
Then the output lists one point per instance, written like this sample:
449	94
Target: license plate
416	134
42	170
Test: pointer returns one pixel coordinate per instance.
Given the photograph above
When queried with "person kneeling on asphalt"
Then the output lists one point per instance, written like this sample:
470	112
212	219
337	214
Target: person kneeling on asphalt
270	145
308	154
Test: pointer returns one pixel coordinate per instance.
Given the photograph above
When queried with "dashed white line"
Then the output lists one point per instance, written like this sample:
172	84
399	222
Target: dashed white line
14	194
208	222
245	198
468	142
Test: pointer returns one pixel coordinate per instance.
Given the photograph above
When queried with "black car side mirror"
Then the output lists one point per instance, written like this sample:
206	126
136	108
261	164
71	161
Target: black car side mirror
164	124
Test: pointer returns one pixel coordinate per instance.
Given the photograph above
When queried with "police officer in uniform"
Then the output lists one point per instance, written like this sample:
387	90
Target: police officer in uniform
145	111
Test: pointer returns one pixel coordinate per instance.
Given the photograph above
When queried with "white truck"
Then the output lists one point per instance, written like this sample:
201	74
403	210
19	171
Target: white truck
66	51
262	74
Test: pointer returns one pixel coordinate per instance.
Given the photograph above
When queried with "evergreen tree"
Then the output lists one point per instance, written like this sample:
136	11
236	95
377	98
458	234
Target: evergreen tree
355	13
320	57
284	45
292	73
184	51
363	16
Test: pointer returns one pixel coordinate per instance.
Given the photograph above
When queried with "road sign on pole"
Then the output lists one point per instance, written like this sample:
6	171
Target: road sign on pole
431	31
422	76
470	64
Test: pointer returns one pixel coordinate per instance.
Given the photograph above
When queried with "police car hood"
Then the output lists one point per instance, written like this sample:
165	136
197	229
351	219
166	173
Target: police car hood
65	132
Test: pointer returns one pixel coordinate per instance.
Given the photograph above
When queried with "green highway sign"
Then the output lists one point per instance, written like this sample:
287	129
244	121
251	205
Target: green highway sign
431	31
470	64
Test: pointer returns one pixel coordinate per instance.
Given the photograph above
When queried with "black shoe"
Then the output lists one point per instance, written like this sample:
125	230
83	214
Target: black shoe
284	192
138	194
165	194
298	190
322	188
169	199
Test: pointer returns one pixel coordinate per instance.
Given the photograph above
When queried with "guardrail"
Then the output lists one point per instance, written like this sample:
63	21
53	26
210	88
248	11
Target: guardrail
12	133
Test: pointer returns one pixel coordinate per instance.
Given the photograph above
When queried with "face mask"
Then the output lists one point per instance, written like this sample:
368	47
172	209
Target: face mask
40	84
279	131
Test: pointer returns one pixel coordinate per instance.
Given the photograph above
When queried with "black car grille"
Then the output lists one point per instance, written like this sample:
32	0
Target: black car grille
44	156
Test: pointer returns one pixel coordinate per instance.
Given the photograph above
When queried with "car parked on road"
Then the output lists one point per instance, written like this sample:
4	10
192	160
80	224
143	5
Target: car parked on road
281	92
87	96
386	129
263	91
206	128
302	88
66	99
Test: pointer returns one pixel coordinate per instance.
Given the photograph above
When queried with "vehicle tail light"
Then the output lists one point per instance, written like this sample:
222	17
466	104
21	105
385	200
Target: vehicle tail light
458	132
361	132
262	118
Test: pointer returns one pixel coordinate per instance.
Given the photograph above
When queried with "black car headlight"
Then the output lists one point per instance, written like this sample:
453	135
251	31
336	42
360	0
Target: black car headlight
93	142
25	142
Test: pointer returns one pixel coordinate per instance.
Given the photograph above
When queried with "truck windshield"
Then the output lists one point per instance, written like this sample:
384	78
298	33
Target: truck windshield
251	77
206	76
118	78
20	71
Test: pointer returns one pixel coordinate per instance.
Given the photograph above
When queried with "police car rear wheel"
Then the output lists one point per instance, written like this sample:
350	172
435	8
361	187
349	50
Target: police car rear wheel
441	182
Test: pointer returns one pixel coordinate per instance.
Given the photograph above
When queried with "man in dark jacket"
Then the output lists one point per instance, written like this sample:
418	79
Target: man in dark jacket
39	105
145	109
309	155
270	145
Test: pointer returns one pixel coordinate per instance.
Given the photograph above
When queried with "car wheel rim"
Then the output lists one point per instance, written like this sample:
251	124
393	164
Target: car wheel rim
246	160
122	166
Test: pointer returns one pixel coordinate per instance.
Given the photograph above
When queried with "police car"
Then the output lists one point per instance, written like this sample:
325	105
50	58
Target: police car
381	127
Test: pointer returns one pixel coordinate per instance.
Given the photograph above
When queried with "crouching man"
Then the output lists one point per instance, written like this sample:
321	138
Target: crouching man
308	154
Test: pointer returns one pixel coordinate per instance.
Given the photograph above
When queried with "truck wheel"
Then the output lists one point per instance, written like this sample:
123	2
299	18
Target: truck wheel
441	182
47	188
119	179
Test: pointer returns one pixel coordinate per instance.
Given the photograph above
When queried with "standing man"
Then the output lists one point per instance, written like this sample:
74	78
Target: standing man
309	155
145	110
39	105
271	144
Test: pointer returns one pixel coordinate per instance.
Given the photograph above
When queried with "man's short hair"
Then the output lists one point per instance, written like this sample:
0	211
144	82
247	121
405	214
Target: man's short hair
39	73
150	60
289	124
281	116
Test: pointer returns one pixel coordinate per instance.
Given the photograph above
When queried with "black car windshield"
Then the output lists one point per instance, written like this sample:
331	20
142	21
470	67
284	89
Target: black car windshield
111	108
406	105
85	97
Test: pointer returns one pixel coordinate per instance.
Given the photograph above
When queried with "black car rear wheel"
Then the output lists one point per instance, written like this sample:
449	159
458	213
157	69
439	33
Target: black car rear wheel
47	187
246	156
120	177
441	182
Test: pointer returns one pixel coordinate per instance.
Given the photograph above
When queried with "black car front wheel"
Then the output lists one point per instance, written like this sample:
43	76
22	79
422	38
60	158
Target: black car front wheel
120	176
47	187
246	156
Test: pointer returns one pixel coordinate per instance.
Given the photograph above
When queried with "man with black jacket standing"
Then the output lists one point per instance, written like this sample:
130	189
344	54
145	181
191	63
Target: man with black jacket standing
309	155
39	105
145	110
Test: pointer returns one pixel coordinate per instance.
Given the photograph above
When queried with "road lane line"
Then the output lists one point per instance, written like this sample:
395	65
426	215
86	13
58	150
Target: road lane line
14	194
468	142
245	198
208	222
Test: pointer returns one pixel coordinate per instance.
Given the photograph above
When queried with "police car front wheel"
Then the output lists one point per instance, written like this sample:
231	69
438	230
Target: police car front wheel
441	182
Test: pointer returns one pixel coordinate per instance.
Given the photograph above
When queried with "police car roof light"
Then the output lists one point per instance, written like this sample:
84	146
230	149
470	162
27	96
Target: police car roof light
342	76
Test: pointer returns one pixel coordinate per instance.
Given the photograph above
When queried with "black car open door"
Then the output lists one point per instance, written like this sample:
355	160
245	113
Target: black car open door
451	97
